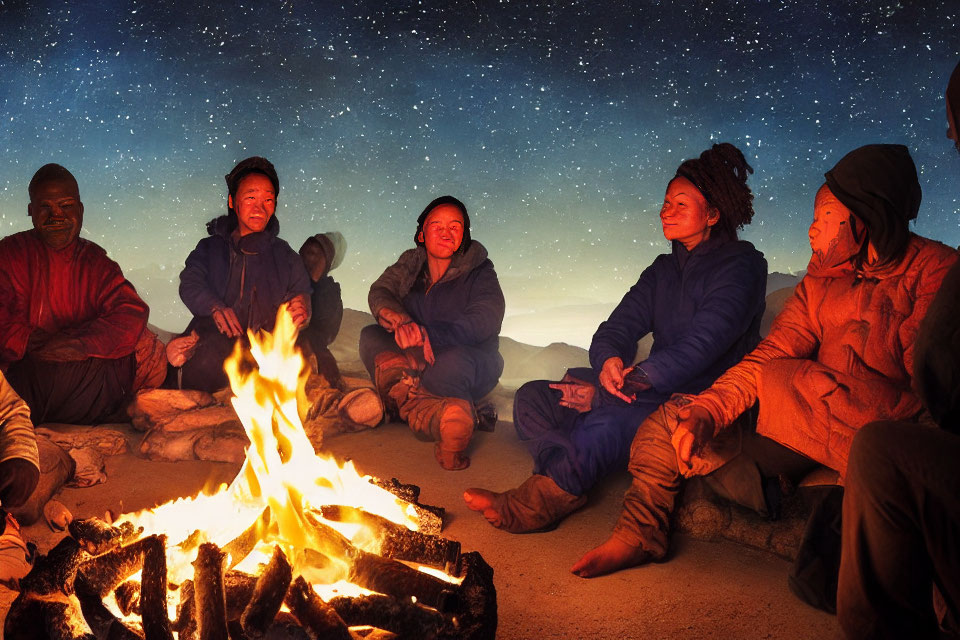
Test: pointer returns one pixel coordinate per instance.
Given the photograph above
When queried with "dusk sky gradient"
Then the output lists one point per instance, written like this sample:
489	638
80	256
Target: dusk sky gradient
557	123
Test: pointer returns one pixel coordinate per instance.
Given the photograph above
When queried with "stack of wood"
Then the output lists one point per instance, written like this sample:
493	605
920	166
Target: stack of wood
63	596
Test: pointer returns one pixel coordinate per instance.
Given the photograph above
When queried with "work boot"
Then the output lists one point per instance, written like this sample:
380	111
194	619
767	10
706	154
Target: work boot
16	556
388	369
538	504
448	421
361	408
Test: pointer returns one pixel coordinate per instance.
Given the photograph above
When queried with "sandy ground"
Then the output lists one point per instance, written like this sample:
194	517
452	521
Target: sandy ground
706	590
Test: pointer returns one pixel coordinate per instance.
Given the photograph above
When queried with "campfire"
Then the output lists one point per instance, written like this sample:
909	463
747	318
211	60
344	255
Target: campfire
297	546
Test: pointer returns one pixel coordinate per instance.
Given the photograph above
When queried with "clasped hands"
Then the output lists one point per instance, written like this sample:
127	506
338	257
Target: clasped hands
406	332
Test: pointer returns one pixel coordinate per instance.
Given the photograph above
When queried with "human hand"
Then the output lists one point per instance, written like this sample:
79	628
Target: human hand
297	308
60	348
179	350
695	428
227	323
390	319
611	377
18	479
575	395
409	335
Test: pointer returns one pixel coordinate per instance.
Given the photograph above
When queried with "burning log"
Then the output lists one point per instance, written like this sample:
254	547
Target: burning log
104	573
102	622
317	618
153	590
430	517
399	542
267	596
96	536
127	596
241	546
209	601
405	618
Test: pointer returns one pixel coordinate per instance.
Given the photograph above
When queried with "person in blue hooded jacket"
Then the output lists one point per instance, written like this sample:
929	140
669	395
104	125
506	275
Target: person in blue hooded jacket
702	302
237	278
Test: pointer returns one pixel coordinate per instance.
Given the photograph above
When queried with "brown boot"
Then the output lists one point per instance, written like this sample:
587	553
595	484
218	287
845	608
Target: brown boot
448	421
536	505
388	370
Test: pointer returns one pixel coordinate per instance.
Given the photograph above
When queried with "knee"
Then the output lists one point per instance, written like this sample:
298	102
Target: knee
872	452
531	393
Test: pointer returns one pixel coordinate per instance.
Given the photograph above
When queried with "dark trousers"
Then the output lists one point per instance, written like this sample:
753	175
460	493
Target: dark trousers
459	371
204	370
575	449
90	391
901	531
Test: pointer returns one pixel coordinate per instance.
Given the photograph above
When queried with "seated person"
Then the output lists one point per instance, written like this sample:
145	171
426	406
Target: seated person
322	254
237	278
703	303
901	505
73	338
19	475
435	351
837	356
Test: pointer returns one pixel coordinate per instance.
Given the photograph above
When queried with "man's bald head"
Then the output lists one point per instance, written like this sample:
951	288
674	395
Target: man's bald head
51	172
55	206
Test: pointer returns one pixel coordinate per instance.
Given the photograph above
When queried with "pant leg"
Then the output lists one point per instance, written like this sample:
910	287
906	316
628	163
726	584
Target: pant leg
463	372
374	340
649	502
90	391
204	370
901	524
542	425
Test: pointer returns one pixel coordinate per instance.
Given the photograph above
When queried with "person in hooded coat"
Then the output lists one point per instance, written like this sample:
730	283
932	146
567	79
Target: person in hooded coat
703	302
901	505
322	253
435	352
837	356
236	279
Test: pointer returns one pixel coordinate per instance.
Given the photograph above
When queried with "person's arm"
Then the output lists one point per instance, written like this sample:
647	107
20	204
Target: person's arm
732	299
929	275
617	336
15	327
299	288
479	321
195	290
19	458
121	315
394	283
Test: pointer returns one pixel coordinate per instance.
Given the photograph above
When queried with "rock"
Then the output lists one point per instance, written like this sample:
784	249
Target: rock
149	407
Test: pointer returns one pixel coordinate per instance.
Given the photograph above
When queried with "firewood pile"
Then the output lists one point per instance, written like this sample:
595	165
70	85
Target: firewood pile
107	581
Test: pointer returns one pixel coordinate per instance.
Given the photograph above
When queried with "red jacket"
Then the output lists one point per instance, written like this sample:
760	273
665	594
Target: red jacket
77	291
838	356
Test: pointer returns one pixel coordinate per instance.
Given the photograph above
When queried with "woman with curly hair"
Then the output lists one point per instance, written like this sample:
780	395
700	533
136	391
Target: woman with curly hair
702	302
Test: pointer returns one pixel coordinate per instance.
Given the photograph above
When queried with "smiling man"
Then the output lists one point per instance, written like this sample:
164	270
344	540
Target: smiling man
69	321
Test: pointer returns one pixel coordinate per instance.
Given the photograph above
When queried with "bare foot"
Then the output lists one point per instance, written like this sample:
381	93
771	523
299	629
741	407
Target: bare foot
610	556
485	502
179	350
450	460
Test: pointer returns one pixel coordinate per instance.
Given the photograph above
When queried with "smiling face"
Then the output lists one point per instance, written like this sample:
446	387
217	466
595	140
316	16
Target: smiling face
255	203
686	215
56	211
442	231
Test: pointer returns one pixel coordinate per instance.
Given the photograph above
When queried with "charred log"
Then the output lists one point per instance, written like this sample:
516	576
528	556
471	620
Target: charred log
410	621
267	597
477	619
104	573
241	546
395	579
208	593
128	597
399	542
153	590
185	624
238	587
56	571
63	620
102	622
431	518
317	618
95	536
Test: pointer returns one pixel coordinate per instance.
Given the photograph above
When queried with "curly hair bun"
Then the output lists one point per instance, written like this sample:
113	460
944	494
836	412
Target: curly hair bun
720	174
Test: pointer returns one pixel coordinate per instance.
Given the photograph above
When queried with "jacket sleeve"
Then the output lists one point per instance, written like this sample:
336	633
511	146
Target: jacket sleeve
793	335
480	320
731	302
195	289
929	275
17	439
395	282
121	315
300	284
632	319
14	317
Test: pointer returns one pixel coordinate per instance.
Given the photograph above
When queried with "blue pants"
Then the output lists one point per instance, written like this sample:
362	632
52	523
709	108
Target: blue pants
459	371
576	449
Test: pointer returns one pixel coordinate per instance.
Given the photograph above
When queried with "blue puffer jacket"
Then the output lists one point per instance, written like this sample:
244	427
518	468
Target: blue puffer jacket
253	274
703	308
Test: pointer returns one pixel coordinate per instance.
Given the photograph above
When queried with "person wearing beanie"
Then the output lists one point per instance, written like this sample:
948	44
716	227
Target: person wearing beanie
322	253
434	354
236	278
702	302
837	355
901	504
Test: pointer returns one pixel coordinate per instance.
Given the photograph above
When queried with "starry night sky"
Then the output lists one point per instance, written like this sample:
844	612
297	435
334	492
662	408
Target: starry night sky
558	123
